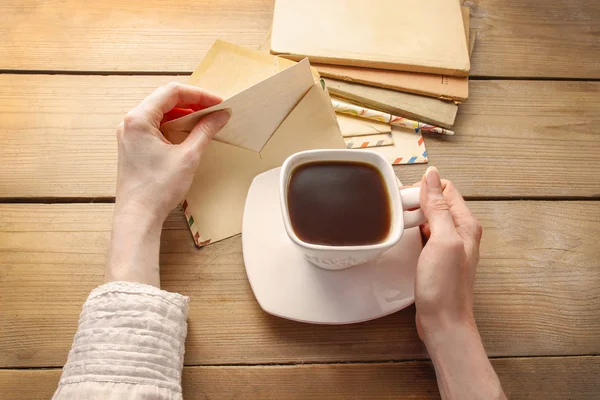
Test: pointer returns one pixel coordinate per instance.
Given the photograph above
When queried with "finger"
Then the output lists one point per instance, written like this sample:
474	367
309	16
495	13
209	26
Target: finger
453	197
461	214
206	129
434	204
167	97
445	182
449	195
467	225
455	202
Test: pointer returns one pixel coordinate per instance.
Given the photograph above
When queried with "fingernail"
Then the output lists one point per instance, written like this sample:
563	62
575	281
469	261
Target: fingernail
222	117
433	178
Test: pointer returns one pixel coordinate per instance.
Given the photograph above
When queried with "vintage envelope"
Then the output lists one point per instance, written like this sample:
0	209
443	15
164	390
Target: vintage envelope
408	147
277	109
361	142
353	126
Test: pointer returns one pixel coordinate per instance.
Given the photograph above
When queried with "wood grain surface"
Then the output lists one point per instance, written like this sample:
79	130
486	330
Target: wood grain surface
537	289
514	38
132	36
513	138
538	284
545	378
535	38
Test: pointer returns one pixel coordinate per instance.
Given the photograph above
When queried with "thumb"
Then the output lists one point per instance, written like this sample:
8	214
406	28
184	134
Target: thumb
434	204
206	129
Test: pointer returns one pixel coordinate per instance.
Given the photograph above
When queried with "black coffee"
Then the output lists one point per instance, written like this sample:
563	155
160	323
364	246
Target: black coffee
339	203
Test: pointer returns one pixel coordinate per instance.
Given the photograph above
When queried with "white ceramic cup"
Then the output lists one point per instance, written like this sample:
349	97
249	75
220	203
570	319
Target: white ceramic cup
401	200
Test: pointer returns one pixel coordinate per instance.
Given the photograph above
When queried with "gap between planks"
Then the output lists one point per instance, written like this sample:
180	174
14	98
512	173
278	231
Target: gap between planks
328	363
188	73
111	200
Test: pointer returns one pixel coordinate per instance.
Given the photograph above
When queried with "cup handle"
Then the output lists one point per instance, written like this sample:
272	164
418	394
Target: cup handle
410	199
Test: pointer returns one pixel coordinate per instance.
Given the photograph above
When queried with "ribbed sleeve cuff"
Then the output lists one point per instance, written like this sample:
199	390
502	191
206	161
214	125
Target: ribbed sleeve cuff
129	333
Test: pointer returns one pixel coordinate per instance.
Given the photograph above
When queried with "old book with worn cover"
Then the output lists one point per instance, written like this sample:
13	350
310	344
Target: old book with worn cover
404	35
442	87
408	105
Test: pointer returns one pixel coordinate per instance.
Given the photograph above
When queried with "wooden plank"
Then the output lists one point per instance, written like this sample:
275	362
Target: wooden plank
537	290
514	38
68	147
112	35
521	138
522	378
513	138
536	38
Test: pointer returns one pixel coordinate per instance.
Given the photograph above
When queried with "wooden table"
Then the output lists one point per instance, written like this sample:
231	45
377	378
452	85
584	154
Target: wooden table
526	155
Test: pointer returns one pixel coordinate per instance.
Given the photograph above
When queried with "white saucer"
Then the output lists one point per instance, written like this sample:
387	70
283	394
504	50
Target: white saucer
288	286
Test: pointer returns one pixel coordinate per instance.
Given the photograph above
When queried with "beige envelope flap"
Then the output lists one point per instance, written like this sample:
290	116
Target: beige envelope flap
312	125
215	204
255	112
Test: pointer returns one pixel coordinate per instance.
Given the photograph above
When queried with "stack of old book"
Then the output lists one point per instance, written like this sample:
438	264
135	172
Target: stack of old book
399	63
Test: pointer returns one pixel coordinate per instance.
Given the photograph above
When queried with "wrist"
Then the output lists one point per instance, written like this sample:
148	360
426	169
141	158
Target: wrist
135	244
133	216
451	335
461	364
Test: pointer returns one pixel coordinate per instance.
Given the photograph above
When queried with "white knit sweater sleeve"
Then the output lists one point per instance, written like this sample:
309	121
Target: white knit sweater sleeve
129	345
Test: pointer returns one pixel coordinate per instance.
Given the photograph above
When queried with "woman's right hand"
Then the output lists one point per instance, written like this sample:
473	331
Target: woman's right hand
446	267
444	294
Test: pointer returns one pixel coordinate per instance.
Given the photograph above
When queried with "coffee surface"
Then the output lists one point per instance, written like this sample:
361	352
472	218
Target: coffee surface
339	203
